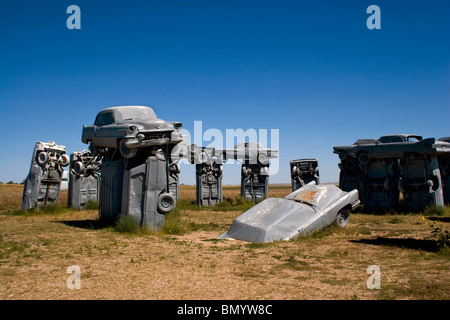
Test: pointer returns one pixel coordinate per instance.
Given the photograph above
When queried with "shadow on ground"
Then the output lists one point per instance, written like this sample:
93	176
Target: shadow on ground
409	243
87	224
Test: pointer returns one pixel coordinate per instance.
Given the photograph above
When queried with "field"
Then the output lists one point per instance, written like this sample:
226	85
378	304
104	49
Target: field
186	261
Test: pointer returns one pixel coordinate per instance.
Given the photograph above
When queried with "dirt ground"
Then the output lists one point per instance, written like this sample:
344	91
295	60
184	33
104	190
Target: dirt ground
36	251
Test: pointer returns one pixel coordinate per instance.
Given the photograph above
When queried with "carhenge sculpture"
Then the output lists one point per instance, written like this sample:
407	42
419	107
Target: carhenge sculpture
84	179
43	182
137	150
255	169
208	174
303	171
382	169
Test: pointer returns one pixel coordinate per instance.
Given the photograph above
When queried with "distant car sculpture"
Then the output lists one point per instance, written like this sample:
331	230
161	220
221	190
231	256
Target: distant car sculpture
43	182
136	147
255	168
382	169
84	179
308	209
303	171
208	169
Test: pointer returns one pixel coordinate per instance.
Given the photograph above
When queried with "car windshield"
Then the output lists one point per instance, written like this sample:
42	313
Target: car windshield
104	118
132	113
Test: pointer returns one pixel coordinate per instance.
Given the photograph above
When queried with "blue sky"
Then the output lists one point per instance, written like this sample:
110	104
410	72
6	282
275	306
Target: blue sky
311	69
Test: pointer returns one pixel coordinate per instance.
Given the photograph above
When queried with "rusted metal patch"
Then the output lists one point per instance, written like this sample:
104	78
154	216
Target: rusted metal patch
306	196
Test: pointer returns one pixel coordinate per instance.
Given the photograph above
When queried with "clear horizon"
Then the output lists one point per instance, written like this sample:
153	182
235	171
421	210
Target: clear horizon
312	70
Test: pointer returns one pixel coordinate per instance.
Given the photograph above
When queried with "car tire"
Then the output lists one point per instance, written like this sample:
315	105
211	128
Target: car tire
342	155
263	158
166	203
294	171
93	149
78	168
65	160
363	158
42	158
175	168
202	157
244	171
126	152
342	218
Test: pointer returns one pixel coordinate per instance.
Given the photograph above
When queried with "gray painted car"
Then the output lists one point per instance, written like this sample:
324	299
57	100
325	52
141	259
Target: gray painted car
310	208
396	145
43	182
129	128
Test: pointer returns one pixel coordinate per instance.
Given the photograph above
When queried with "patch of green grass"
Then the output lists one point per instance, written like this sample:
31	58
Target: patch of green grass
50	209
395	220
91	205
174	225
10	247
434	210
237	204
258	245
228	204
128	225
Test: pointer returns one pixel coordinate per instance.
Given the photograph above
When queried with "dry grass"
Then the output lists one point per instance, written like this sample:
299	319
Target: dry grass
36	250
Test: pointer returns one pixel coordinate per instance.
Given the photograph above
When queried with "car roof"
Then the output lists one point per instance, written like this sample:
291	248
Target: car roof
129	111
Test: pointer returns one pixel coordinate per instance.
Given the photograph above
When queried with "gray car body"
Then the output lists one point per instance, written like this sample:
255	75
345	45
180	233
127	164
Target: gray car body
391	146
137	124
310	208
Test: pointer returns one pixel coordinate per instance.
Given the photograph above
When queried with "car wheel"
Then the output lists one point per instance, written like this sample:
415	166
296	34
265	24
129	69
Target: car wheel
42	158
166	203
342	155
244	172
263	158
175	168
202	157
294	171
65	160
93	149
363	158
342	218
126	152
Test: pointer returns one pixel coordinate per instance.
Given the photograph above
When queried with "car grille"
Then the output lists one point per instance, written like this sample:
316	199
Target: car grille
157	135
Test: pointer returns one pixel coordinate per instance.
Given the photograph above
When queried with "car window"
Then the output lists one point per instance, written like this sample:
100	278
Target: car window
135	113
390	139
104	118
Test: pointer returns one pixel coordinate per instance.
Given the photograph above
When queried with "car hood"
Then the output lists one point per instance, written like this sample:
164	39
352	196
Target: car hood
270	220
317	196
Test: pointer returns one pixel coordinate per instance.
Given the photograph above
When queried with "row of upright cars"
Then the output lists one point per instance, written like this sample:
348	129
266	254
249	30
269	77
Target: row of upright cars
394	169
137	155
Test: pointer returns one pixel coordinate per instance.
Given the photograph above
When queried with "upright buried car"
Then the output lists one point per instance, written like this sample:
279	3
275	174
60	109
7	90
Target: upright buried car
310	208
43	182
129	128
137	150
